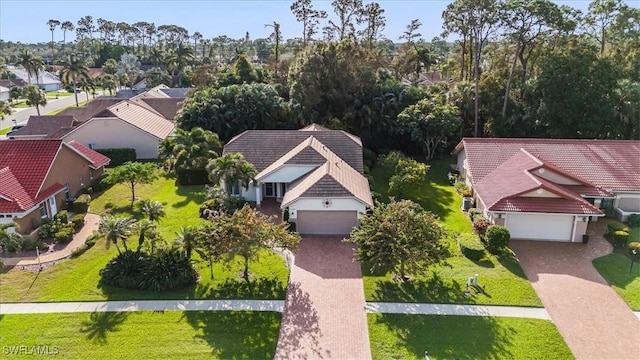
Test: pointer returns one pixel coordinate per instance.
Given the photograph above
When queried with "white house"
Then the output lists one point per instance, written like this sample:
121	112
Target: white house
549	189
314	173
45	80
4	93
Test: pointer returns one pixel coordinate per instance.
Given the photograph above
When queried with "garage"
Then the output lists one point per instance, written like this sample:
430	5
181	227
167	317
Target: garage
540	226
326	222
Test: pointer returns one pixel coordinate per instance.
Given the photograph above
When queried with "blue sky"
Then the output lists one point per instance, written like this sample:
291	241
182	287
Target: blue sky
25	20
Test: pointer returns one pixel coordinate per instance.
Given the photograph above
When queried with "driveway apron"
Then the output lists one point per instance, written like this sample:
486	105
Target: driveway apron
592	318
324	316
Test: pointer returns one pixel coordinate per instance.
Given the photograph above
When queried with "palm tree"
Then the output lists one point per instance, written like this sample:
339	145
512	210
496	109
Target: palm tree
52	27
108	82
196	37
154	210
87	85
186	239
66	26
144	229
116	228
194	148
166	152
231	169
179	60
156	56
5	109
73	70
35	97
32	64
15	93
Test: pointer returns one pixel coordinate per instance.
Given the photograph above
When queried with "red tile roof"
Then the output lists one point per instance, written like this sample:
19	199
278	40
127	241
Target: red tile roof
609	164
522	171
97	160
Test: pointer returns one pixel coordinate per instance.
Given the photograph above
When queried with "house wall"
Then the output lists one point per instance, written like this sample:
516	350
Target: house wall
4	96
288	173
580	229
316	204
555	177
67	167
50	87
627	202
28	222
249	194
106	133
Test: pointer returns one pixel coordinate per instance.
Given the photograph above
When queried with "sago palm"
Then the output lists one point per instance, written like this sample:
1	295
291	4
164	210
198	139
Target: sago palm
115	228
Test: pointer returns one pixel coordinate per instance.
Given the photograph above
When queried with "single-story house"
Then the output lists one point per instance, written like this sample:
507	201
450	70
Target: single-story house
45	80
38	176
314	173
46	126
4	93
549	189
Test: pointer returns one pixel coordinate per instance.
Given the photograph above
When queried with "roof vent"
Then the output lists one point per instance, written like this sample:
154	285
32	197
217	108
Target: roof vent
539	191
541	171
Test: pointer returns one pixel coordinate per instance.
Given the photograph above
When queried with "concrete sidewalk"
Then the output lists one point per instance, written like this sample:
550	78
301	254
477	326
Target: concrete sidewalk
454	309
147	305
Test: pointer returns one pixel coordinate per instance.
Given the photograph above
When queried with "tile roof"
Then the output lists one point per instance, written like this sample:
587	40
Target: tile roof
44	126
609	164
167	107
141	117
92	108
263	147
520	170
96	159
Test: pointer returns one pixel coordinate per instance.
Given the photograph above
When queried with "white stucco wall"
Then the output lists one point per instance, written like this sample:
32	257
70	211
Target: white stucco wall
114	133
628	202
249	194
317	204
287	173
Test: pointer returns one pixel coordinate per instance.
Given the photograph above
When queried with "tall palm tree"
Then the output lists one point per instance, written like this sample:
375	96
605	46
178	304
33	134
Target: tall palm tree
72	71
196	37
186	239
144	229
180	58
35	97
108	82
87	85
231	169
52	27
156	56
31	64
115	228
194	148
66	26
154	210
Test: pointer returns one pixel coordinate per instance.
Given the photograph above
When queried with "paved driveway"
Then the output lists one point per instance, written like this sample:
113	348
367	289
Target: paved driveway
592	318
324	313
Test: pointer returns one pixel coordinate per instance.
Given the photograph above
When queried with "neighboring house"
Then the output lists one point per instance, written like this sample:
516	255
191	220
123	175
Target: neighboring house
549	189
4	93
48	126
315	173
45	80
38	176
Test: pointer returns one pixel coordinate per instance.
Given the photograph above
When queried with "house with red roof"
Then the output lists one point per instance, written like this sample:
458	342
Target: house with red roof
37	177
550	189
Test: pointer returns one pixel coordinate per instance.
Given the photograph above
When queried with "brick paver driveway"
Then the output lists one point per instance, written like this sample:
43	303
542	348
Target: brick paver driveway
594	321
324	313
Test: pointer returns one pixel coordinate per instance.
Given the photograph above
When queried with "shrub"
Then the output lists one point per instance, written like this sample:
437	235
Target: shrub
88	191
102	184
47	229
12	244
192	177
63	235
63	216
634	245
81	205
222	205
620	238
292	226
91	239
480	226
497	238
473	212
460	185
634	220
616	226
79	250
77	221
118	156
125	270
369	157
285	214
168	269
466	192
470	246
31	245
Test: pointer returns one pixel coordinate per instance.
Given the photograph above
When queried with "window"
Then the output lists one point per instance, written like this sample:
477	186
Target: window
92	146
67	191
43	209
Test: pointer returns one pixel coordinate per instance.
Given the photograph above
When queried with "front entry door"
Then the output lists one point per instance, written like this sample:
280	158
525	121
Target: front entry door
269	190
53	205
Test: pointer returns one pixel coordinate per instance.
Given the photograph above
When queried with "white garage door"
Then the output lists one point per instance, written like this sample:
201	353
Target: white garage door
540	227
326	222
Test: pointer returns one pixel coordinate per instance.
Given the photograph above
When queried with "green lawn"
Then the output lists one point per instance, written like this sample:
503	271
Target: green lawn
61	93
77	279
504	281
20	104
5	131
146	335
398	336
615	268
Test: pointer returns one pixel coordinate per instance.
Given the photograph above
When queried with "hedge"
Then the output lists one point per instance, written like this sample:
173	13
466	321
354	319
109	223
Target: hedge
63	215
192	177
634	220
613	227
118	156
497	238
470	246
64	235
620	238
81	204
77	221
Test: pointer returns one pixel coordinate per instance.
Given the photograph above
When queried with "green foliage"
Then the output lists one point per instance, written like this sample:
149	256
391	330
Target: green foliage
470	246
473	213
616	226
460	186
62	215
466	192
79	250
78	221
620	238
633	245
81	204
220	203
480	226
49	227
167	270
64	235
92	239
232	170
497	238
10	243
634	220
119	156
133	173
408	173
125	270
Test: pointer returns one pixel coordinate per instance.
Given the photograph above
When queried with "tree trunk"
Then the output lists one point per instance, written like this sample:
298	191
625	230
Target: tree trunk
75	93
246	269
211	267
133	194
38	109
476	78
463	49
117	248
124	243
509	80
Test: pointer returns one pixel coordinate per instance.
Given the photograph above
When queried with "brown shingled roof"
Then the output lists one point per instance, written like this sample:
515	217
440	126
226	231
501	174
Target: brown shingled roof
92	108
45	126
167	107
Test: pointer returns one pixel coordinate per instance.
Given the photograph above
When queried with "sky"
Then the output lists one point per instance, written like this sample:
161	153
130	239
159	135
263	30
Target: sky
25	20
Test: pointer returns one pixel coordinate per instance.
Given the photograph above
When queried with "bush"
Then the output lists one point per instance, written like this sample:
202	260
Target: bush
221	205
620	238
47	229
103	183
460	185
466	192
88	191
634	245
77	221
125	270
285	214
118	156
29	245
613	227
91	239
473	213
64	235
63	216
470	246
369	157
79	250
497	238
81	204
192	177
480	226
12	244
634	220
292	226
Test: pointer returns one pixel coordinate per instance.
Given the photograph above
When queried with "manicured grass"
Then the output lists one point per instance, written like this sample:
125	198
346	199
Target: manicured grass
398	336
502	277
80	104
146	335
5	131
61	93
20	104
615	268
269	273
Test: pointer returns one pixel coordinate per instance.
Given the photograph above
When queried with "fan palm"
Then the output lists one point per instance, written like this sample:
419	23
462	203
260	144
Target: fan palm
72	71
116	229
5	109
35	97
108	82
231	169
